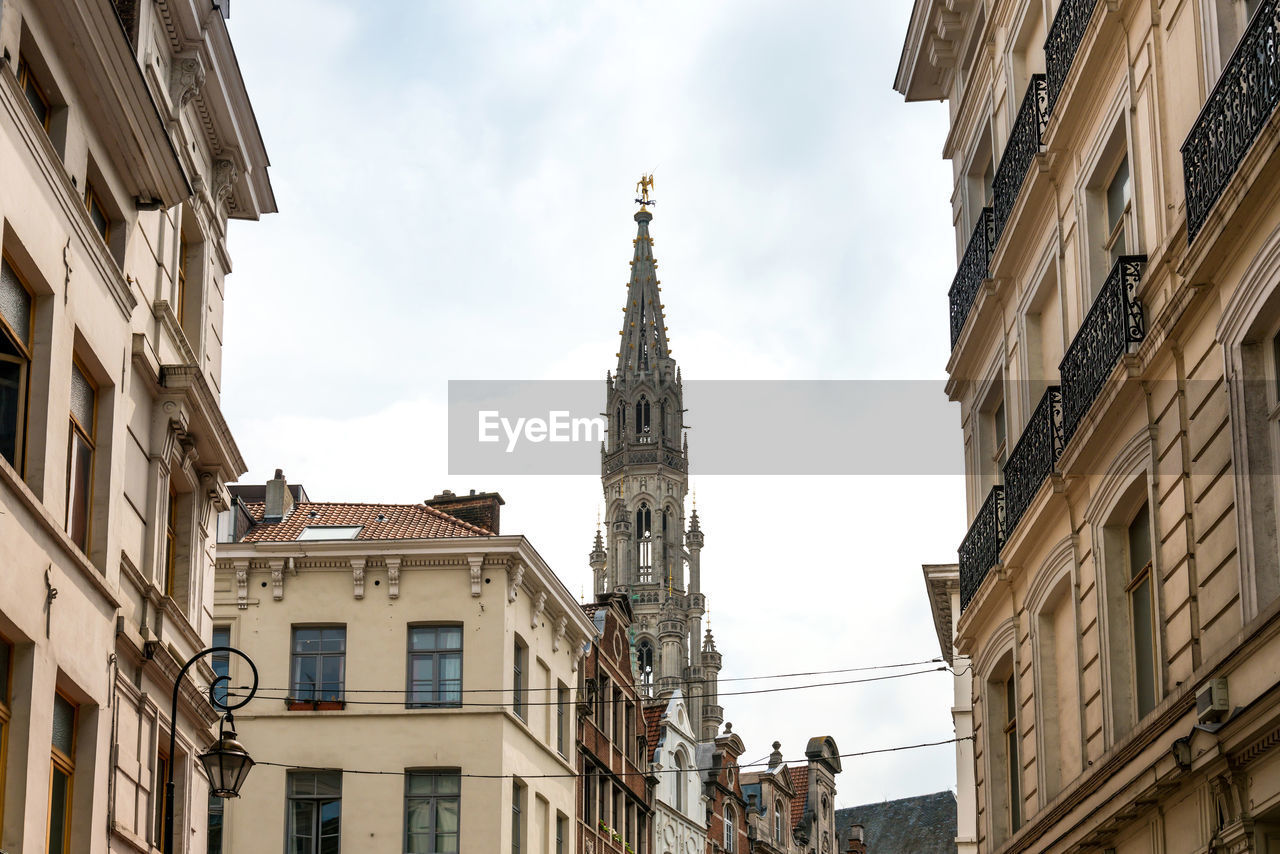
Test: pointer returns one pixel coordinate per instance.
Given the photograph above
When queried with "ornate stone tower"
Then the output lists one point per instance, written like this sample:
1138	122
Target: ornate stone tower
647	551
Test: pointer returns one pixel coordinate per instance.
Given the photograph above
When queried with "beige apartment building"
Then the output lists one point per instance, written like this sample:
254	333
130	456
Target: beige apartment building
417	675
127	141
1114	323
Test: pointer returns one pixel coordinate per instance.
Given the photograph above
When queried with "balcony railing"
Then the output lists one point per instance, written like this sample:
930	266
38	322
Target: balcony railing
1113	323
1024	145
1065	33
972	270
1234	113
1034	457
980	549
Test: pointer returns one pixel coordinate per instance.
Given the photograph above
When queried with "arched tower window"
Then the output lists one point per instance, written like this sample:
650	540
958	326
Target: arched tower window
642	416
620	426
662	418
667	550
644	658
644	541
679	780
777	821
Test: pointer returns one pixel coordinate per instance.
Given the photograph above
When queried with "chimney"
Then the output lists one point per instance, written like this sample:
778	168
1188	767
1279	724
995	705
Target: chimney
479	508
856	844
278	499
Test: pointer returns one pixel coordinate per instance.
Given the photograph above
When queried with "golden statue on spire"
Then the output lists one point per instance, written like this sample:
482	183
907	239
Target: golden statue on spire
643	186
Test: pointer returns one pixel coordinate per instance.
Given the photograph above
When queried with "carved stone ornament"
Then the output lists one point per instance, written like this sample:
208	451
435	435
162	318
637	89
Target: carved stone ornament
277	580
393	577
515	573
186	78
477	565
537	609
225	175
357	576
561	623
242	585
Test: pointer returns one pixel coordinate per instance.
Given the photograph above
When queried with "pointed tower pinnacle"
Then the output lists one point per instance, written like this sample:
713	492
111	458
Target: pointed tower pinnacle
644	331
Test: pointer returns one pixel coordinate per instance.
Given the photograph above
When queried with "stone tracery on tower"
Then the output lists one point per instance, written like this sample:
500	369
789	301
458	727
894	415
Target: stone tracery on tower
648	549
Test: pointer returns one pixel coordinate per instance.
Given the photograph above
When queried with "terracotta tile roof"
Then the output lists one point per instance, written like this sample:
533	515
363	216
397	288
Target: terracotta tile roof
799	782
377	521
652	714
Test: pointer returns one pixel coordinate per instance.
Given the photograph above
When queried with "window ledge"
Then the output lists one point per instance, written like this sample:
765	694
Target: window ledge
315	705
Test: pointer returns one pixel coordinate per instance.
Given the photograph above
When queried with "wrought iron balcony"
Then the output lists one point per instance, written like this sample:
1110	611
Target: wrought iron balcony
1024	145
980	549
1034	457
972	270
1234	113
1114	322
1065	33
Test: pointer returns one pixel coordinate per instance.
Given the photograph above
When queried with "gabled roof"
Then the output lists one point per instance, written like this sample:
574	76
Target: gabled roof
925	824
376	522
799	782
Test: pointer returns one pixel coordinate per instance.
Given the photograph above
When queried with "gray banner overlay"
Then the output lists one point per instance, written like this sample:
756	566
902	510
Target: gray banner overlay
733	427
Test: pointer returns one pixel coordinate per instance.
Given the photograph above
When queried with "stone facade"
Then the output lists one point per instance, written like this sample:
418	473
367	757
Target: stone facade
1114	355
645	475
114	200
398	639
679	803
791	808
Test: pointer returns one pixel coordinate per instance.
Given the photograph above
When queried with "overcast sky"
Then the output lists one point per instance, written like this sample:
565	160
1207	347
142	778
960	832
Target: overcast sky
455	183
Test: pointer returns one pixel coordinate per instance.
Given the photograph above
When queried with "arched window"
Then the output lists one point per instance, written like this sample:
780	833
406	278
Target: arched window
644	659
777	820
644	541
730	828
662	419
667	549
620	426
642	416
678	782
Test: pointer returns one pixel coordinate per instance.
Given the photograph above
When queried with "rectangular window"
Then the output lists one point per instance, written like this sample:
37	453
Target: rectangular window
161	790
435	666
217	810
62	774
432	800
518	700
36	97
517	816
319	663
562	832
97	213
6	687
315	812
562	717
1011	753
84	416
170	540
1141	608
1119	196
180	298
221	663
15	362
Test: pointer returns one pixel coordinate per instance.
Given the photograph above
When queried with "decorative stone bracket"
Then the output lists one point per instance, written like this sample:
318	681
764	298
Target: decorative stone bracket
537	609
515	574
242	584
277	578
357	576
393	577
186	79
561	624
477	566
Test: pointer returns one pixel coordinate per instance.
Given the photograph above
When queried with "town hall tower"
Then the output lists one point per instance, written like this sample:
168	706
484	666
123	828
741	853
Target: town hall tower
649	549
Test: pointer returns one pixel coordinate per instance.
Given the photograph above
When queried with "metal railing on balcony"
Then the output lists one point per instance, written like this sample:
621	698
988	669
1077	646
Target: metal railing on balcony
1114	322
1034	457
1024	145
972	271
1234	113
980	549
1063	42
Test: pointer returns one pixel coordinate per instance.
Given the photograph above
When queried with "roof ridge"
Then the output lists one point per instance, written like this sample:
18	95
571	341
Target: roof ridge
433	511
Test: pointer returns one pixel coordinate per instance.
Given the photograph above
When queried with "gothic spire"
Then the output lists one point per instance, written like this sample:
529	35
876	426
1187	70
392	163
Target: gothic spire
644	331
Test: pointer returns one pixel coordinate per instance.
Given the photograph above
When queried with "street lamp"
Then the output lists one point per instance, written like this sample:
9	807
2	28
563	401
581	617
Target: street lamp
226	761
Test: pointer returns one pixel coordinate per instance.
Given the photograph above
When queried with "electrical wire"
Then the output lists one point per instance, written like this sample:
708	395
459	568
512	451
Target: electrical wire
508	690
285	695
575	775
